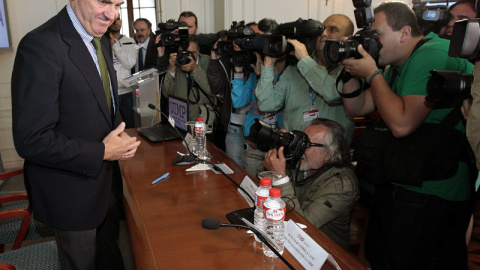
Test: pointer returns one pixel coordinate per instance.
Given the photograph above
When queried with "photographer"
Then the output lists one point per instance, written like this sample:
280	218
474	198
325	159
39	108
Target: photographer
189	80
410	227
471	109
463	9
220	74
307	90
328	187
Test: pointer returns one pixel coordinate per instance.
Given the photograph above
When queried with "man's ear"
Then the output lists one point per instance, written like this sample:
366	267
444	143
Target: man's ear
405	33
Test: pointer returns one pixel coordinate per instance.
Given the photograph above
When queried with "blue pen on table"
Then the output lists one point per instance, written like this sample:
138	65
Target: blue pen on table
163	177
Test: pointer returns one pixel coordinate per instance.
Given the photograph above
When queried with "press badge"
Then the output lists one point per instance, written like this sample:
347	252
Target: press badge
269	118
310	115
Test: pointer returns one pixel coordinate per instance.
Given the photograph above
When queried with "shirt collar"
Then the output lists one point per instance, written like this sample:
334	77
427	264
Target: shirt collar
78	26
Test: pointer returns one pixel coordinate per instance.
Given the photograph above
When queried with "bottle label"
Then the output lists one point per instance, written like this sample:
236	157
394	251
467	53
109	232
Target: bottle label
200	129
274	214
259	200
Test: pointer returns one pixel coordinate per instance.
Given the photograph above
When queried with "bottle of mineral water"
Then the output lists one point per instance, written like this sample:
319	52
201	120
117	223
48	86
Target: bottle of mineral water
260	196
274	213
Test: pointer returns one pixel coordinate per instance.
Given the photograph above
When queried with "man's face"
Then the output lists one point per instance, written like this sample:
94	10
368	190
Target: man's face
192	27
116	25
335	28
315	157
142	33
460	12
390	40
255	29
96	15
194	49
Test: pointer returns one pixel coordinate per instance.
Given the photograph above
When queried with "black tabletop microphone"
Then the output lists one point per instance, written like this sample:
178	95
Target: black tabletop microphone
191	158
215	224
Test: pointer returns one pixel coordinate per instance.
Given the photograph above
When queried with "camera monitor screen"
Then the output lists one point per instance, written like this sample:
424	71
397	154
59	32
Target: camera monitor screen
5	41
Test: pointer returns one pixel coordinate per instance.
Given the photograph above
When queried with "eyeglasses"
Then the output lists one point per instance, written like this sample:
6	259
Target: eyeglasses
310	144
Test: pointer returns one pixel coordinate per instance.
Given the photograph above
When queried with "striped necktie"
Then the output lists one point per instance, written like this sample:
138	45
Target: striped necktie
104	72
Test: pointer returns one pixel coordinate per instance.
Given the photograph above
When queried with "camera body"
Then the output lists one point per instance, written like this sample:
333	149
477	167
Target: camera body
183	58
170	39
336	51
294	142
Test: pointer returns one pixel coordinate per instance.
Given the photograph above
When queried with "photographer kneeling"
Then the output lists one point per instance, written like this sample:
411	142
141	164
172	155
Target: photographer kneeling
327	188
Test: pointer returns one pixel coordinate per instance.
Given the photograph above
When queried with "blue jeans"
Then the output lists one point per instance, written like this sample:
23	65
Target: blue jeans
234	143
410	230
126	109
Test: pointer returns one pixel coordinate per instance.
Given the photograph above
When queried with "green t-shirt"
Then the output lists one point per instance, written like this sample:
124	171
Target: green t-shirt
412	79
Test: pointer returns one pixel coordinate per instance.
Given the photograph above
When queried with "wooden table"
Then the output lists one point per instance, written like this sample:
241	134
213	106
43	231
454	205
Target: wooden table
165	219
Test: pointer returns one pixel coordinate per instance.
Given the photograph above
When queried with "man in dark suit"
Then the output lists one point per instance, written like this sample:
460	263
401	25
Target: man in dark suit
147	53
66	127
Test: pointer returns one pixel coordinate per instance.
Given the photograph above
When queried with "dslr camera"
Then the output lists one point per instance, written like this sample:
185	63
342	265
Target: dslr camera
447	88
432	14
294	142
169	39
336	51
182	58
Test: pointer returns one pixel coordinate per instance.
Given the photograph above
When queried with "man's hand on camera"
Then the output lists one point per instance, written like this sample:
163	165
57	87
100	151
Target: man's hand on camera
171	63
258	65
362	67
269	61
275	161
160	49
213	53
190	67
300	49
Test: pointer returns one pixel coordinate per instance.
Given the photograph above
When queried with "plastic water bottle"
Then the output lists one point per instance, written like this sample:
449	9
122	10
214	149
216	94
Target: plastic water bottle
274	213
200	131
137	98
260	196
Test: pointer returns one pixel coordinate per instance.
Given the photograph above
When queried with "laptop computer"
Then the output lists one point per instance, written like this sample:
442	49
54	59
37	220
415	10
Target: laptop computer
160	133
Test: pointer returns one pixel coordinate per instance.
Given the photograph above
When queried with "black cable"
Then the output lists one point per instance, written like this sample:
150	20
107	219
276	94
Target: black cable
229	178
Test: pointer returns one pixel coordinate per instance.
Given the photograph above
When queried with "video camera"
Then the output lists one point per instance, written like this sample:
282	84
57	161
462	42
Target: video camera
294	142
432	14
276	44
236	32
447	88
173	40
170	39
335	50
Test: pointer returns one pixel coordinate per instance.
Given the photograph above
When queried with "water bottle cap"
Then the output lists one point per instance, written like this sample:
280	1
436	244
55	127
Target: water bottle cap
199	119
265	182
275	192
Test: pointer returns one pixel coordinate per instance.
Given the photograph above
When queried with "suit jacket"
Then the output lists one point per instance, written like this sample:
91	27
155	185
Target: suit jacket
60	117
150	56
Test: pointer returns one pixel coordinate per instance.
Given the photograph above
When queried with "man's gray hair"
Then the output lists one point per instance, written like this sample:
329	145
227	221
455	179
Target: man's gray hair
336	142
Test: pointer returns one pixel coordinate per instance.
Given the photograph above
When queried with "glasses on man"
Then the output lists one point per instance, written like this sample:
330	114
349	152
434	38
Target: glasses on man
311	144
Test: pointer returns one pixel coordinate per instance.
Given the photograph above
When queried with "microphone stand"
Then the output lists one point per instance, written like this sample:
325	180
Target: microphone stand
263	237
180	160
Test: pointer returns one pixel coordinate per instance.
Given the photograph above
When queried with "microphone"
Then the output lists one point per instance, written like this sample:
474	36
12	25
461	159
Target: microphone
215	224
180	160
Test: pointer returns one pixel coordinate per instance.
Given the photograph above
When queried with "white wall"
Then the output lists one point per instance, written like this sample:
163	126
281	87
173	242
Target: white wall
24	16
213	15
